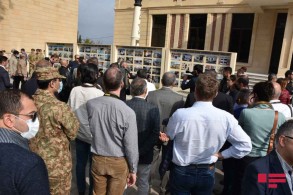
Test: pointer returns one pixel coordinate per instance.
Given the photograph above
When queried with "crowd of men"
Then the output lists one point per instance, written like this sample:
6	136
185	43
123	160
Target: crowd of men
127	141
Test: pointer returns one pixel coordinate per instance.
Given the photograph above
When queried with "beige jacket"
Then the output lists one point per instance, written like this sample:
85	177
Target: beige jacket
21	68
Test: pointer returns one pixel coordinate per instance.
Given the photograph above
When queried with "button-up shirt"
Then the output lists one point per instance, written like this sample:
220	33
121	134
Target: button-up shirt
283	108
113	126
287	170
200	131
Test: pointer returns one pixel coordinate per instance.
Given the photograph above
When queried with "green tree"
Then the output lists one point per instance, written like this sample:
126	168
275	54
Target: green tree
88	41
79	39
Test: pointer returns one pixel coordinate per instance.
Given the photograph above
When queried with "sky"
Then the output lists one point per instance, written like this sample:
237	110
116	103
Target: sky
96	20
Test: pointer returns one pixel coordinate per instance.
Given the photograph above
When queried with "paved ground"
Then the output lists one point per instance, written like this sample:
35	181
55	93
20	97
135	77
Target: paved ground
155	190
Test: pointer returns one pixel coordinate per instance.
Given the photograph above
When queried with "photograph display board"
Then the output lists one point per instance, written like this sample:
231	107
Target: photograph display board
149	58
102	52
65	51
182	61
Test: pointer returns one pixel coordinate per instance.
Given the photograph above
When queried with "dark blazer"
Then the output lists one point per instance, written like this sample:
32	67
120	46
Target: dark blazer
268	164
221	101
167	101
148	127
4	79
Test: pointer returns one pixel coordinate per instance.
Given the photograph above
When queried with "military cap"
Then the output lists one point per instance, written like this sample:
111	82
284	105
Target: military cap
48	73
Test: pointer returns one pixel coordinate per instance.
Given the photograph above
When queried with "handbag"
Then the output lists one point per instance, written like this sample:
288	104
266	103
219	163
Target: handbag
272	136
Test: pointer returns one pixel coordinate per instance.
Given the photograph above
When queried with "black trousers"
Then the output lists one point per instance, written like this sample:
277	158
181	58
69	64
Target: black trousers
17	80
241	165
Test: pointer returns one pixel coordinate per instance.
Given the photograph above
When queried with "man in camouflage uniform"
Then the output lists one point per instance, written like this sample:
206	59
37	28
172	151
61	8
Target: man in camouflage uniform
32	58
58	126
39	55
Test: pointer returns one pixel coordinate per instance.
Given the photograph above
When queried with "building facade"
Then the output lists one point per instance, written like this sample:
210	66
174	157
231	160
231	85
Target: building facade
33	23
260	31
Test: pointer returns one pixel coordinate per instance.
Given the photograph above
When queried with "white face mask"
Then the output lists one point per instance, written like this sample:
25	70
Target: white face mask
60	87
33	128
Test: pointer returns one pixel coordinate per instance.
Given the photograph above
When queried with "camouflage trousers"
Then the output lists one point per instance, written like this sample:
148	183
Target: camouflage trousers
32	68
60	185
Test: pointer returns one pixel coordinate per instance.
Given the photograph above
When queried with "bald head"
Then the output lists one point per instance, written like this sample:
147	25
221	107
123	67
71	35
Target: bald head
278	90
112	79
43	63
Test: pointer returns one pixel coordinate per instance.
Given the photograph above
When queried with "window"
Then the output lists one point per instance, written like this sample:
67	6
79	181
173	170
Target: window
159	30
240	37
197	31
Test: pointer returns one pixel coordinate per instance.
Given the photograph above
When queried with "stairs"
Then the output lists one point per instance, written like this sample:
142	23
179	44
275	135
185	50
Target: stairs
255	78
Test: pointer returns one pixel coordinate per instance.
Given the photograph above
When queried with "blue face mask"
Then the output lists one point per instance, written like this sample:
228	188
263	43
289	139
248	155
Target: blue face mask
60	87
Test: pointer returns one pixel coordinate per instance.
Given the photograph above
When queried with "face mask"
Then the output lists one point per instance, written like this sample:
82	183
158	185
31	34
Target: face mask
33	128
60	87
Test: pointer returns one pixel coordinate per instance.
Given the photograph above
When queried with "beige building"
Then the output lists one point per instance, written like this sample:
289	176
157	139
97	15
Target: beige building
32	23
260	31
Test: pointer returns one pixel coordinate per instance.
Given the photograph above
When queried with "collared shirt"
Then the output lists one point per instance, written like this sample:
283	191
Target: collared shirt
200	131
150	86
10	136
114	130
283	108
286	169
140	97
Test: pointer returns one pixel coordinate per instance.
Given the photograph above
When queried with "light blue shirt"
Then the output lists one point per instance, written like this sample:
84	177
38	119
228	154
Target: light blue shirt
200	131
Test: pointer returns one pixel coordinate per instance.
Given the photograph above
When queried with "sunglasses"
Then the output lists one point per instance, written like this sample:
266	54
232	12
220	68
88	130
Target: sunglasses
33	116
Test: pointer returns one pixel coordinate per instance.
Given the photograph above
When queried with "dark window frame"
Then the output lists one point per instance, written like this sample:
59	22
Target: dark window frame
197	31
156	39
241	35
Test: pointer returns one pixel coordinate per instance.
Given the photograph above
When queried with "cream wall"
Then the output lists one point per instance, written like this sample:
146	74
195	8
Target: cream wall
262	42
31	23
220	12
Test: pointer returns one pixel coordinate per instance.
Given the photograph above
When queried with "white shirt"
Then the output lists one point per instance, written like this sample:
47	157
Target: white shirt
200	132
286	169
150	86
283	108
77	101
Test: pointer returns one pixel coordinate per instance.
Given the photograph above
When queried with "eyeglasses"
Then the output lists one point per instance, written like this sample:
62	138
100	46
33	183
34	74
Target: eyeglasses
33	116
288	136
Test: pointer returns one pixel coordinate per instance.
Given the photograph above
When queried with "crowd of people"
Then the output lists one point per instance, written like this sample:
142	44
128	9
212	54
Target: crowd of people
125	141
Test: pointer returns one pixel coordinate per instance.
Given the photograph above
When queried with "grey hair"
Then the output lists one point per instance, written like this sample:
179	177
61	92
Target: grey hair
285	129
138	87
168	79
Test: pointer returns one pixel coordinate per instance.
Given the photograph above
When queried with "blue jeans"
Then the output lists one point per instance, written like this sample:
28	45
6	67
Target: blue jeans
191	180
83	154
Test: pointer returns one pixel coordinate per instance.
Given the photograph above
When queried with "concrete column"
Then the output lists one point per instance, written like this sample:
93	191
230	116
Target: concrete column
286	52
186	31
135	35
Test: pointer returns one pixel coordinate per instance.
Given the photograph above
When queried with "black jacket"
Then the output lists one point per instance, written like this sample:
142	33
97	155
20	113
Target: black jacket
4	79
221	101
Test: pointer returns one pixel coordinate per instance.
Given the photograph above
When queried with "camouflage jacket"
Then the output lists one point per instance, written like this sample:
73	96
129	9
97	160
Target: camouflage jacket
32	58
58	125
